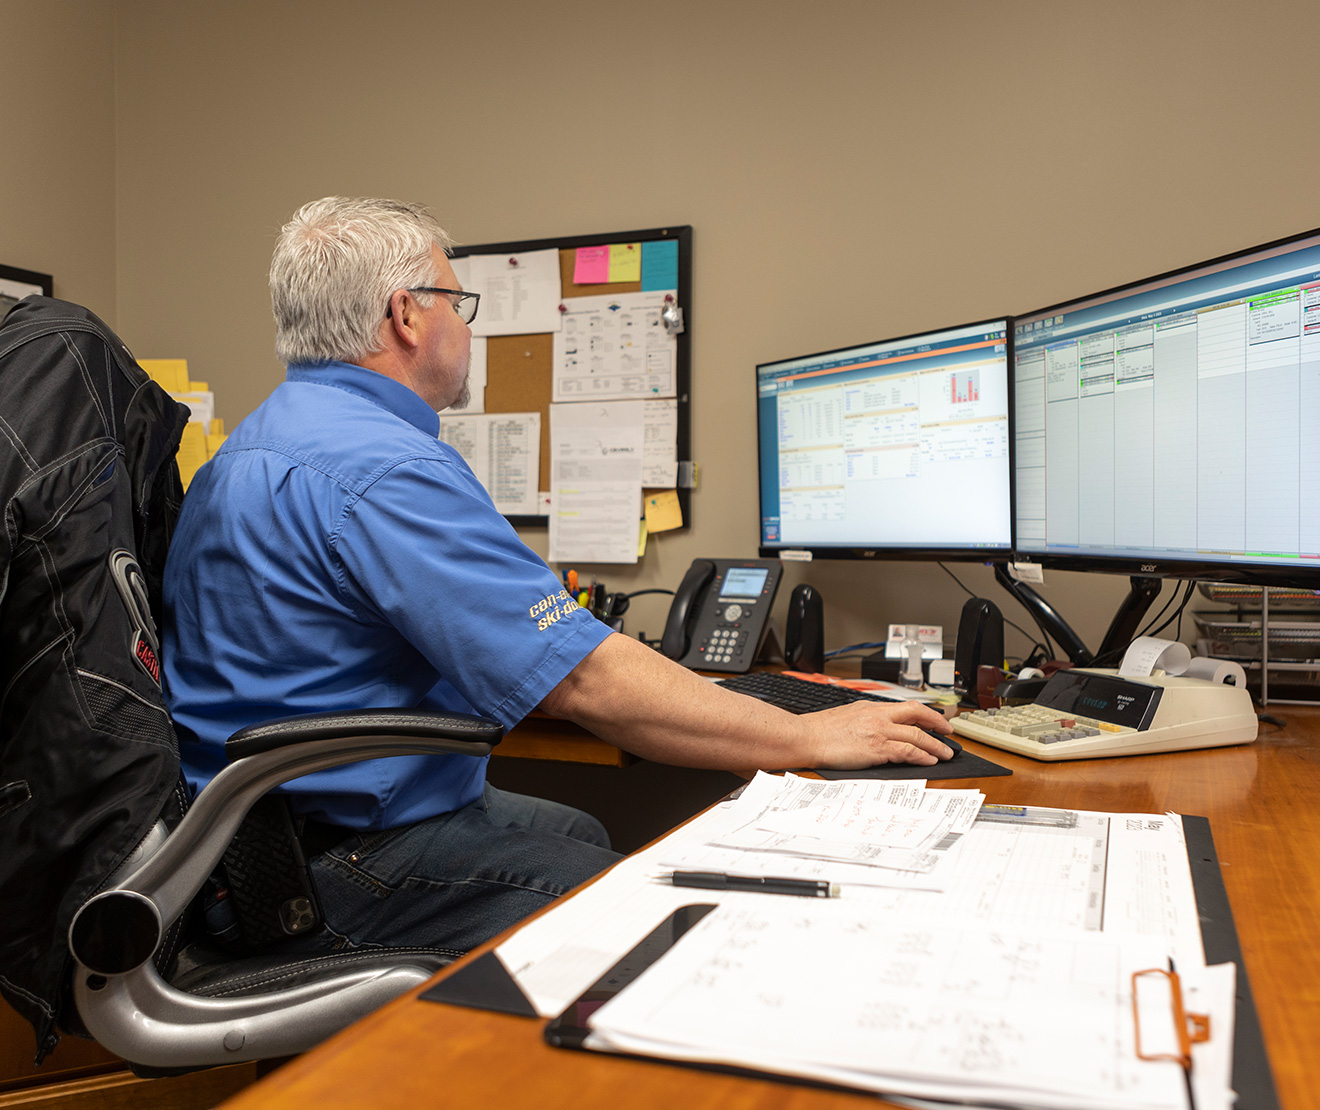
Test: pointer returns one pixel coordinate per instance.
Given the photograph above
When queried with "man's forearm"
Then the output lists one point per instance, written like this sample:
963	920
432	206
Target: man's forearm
646	704
636	698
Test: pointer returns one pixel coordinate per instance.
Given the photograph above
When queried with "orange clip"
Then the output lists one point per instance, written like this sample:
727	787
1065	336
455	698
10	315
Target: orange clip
1190	1028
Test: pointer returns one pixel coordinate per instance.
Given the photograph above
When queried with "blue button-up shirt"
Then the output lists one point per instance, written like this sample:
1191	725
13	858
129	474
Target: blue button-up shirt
334	554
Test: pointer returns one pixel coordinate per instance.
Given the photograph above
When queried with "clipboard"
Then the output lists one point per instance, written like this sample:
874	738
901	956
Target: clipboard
570	1028
486	985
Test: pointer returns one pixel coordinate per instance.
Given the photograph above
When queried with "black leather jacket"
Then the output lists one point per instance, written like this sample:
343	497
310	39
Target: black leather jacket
88	758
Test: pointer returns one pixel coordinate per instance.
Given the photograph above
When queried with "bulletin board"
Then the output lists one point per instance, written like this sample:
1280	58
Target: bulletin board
520	368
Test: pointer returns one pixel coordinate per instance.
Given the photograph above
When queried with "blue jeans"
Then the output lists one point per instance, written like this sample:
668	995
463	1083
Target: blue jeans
455	880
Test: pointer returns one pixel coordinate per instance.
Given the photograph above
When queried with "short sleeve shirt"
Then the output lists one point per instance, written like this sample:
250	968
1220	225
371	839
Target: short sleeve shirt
334	554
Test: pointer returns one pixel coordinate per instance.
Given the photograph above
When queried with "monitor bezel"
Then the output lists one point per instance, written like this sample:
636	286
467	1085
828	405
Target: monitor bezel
1194	568
905	553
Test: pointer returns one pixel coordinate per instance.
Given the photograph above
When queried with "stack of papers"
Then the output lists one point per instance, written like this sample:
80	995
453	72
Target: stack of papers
869	832
976	952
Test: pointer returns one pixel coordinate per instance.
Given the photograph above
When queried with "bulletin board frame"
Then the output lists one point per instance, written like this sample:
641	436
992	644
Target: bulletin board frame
520	367
23	283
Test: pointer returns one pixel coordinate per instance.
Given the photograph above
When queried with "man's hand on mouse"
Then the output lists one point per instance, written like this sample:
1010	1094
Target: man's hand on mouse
865	734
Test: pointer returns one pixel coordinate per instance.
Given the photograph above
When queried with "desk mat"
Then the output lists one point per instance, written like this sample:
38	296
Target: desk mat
1252	1078
964	765
482	985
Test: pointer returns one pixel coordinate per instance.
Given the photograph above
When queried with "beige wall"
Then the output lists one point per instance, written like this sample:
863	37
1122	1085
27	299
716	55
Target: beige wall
57	145
852	170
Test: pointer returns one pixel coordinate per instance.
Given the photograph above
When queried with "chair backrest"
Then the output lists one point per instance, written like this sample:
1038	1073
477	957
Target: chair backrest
88	758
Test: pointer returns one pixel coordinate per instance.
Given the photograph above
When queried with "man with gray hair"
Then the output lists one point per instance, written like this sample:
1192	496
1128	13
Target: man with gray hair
334	554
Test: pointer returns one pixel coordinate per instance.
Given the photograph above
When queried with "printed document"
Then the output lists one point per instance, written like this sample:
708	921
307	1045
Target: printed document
504	451
596	458
614	347
520	293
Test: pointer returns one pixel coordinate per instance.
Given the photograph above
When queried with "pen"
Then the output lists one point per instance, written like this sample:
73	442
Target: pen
715	880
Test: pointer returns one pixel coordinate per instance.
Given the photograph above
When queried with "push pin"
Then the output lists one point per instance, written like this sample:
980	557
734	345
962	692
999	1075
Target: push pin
671	316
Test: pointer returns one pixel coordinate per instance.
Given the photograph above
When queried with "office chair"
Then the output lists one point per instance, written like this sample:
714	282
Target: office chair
102	855
217	1008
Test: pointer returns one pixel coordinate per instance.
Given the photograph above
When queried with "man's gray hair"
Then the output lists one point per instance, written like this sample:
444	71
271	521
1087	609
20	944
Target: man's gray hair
335	265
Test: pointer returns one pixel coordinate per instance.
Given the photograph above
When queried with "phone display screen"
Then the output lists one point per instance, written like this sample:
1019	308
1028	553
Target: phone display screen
744	582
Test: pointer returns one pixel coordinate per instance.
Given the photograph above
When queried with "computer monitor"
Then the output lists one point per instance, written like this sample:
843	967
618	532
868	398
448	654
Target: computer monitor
1171	427
895	449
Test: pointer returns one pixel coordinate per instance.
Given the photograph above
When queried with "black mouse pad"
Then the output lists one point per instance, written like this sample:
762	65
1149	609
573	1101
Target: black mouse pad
964	765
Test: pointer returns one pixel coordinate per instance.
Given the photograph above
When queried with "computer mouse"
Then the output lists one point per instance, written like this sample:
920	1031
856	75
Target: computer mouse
948	741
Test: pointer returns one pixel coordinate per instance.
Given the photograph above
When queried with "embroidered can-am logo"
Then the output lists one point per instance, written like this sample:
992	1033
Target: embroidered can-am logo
146	657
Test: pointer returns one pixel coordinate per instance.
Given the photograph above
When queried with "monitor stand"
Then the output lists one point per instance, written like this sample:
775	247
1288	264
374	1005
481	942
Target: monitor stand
1122	629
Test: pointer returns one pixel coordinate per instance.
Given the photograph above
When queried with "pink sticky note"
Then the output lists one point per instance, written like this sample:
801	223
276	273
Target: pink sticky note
592	266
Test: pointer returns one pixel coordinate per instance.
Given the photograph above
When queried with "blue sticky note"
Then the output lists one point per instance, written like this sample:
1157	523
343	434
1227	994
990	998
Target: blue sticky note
660	265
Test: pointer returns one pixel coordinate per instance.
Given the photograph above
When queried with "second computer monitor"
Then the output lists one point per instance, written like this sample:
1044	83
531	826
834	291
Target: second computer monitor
1172	427
893	449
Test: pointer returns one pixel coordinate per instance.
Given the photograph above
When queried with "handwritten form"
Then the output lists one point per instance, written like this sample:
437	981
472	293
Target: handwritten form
660	458
877	1002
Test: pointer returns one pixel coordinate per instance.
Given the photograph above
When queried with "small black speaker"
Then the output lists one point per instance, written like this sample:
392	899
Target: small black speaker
804	634
980	642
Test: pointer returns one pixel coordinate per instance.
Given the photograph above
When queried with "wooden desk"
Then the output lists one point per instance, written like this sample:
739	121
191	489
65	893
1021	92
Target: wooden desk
540	736
1263	801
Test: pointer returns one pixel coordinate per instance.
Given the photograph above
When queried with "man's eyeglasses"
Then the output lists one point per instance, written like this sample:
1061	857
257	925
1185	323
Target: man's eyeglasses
465	304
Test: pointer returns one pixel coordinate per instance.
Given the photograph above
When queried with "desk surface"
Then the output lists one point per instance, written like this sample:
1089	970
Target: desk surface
1263	801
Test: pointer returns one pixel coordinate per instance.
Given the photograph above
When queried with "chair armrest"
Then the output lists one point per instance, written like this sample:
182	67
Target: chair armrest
263	757
364	723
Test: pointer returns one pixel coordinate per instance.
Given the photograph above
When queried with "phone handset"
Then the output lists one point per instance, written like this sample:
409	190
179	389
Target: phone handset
684	609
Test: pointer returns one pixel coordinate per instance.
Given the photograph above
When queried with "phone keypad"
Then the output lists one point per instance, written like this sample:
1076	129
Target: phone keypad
723	644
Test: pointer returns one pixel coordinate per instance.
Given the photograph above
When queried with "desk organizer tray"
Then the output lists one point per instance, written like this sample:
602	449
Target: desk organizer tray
1249	597
1290	641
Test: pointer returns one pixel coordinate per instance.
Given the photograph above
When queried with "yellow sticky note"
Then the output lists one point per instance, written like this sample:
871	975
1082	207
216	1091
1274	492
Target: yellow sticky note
198	387
217	426
192	451
169	373
641	537
213	443
663	511
625	262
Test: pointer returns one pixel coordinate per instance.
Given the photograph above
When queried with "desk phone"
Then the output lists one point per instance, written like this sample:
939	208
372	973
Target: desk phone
720	613
1090	713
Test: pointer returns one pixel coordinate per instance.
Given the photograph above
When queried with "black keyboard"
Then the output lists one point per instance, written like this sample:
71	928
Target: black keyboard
797	695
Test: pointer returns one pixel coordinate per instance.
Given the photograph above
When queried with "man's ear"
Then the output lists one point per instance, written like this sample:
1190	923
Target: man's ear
402	318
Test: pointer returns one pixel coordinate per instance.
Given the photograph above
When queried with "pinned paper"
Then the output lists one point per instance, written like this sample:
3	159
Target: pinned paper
591	266
663	511
625	262
659	265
